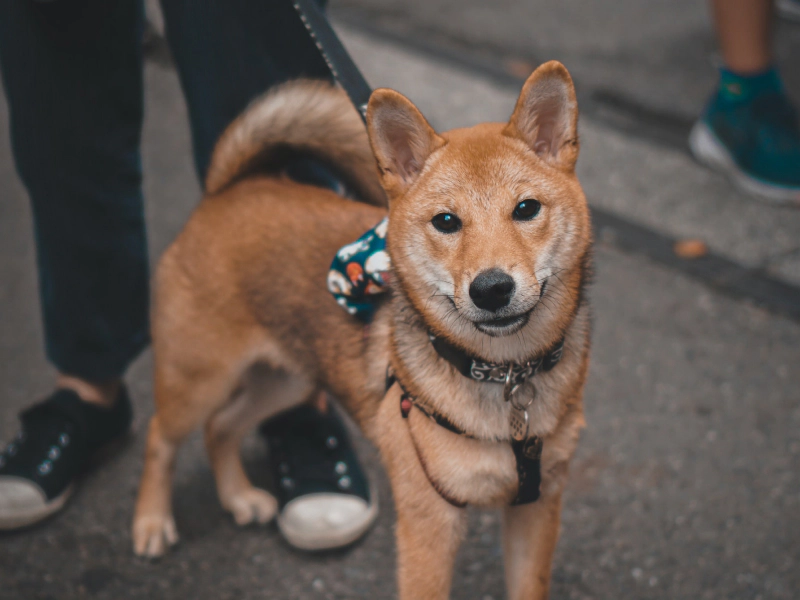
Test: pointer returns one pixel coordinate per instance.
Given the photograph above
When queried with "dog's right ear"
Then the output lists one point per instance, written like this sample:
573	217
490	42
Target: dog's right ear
401	139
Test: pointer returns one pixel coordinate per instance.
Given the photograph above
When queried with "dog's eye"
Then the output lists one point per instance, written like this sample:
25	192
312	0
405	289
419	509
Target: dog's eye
527	210
446	222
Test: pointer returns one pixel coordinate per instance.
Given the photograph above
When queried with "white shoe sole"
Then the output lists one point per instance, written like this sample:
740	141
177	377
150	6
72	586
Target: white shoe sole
322	538
710	151
18	519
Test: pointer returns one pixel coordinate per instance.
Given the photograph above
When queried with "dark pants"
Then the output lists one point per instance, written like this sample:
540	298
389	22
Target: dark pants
72	72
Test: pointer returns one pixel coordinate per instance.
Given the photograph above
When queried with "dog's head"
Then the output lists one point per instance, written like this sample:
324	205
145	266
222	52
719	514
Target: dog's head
488	226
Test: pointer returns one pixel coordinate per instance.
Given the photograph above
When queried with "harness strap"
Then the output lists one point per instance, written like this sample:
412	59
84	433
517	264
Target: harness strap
445	496
527	452
529	469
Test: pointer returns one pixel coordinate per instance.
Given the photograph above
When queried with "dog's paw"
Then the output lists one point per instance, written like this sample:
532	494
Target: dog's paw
252	506
153	535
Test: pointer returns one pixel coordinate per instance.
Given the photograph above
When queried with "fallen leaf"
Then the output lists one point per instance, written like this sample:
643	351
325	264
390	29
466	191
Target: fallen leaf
690	248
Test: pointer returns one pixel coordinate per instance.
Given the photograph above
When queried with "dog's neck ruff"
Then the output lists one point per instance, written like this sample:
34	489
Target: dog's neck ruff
527	449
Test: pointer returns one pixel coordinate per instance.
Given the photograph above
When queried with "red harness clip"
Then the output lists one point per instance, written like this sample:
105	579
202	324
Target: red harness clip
405	405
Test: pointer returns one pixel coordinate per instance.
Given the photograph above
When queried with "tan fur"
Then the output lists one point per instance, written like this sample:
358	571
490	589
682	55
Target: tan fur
244	327
308	119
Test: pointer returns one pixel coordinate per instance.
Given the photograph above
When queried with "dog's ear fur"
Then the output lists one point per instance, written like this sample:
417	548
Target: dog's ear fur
401	139
546	116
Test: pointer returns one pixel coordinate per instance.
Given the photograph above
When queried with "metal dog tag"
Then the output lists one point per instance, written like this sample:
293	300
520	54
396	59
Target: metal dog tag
518	423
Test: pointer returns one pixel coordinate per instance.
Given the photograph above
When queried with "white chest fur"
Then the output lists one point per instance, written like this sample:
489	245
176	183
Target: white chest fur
472	471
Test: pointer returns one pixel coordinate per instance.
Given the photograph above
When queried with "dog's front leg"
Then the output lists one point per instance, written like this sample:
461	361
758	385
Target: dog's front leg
429	529
429	532
530	533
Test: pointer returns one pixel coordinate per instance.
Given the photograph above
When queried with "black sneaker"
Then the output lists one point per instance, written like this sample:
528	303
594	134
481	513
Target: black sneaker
323	493
58	438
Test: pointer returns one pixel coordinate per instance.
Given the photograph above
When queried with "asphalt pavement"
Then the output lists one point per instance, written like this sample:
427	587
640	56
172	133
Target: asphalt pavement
686	481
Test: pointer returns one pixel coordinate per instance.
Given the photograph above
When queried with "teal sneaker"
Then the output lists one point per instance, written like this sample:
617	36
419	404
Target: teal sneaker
750	132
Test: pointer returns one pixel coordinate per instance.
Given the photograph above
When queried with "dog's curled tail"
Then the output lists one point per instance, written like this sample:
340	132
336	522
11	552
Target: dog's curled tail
300	117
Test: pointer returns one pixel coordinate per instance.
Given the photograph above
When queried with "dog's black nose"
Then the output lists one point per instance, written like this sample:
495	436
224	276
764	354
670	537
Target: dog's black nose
492	289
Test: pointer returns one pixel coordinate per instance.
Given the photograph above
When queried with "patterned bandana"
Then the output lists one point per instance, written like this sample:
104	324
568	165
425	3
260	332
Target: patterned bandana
360	272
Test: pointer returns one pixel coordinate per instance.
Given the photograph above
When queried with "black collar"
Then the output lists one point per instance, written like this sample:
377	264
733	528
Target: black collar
477	370
481	370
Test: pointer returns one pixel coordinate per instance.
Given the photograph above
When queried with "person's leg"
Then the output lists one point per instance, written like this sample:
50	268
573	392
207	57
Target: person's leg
749	129
744	29
72	71
227	54
72	74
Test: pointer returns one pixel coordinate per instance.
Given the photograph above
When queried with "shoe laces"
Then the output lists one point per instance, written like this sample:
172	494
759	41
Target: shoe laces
41	445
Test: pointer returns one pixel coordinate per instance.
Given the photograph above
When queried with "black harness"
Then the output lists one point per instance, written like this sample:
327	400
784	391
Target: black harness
527	449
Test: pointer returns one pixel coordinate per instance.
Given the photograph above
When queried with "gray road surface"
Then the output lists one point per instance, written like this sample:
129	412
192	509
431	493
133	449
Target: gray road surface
686	481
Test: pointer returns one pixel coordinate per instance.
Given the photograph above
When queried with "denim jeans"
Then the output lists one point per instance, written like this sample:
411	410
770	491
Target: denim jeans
72	74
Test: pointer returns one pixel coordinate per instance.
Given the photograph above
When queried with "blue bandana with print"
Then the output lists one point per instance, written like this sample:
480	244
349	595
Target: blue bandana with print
360	272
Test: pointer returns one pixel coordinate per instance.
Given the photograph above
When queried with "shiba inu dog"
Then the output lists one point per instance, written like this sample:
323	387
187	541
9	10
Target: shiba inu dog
485	332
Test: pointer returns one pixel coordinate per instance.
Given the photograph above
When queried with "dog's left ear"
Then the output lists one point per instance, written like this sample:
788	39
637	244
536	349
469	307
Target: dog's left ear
546	115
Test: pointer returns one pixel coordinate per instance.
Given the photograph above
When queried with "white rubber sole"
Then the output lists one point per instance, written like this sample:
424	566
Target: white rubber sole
710	151
34	512
320	537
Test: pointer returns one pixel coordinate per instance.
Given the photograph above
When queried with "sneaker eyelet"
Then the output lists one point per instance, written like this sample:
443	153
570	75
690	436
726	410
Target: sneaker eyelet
340	467
54	453
287	483
332	443
63	440
345	482
45	467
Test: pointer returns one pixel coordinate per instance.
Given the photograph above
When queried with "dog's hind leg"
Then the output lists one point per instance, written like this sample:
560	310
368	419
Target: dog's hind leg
184	401
530	533
267	392
153	525
190	385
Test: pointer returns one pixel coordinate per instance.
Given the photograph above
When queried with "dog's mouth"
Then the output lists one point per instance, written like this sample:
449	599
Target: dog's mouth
508	325
503	325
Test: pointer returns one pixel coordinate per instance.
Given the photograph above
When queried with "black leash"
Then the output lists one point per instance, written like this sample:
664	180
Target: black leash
330	47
